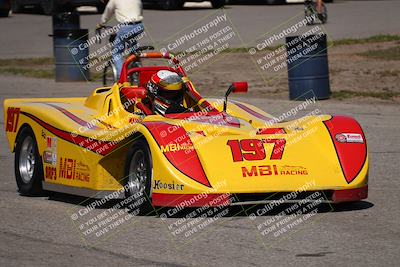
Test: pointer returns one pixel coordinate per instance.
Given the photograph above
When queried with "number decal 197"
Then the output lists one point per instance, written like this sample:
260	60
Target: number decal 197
12	119
253	149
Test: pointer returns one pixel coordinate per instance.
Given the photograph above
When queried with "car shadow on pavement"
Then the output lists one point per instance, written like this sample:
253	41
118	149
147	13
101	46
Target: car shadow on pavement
79	200
360	205
230	211
282	209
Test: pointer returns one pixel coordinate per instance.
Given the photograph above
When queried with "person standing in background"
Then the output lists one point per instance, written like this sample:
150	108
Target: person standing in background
319	6
129	14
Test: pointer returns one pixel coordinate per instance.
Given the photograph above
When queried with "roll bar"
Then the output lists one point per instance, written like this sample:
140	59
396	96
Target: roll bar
124	72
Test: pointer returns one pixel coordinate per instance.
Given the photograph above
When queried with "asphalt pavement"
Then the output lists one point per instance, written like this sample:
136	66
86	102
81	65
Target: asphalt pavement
38	231
26	35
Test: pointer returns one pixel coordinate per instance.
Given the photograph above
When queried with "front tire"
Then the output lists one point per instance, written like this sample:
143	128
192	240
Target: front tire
28	164
138	175
171	4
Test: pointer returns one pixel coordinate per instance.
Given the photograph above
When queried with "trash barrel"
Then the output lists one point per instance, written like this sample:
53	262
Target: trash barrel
307	63
71	54
65	21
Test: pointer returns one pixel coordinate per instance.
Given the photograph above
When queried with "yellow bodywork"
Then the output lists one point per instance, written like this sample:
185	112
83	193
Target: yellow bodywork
309	158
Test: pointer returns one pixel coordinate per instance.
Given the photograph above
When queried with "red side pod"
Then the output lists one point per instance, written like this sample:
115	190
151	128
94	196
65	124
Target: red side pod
178	149
352	156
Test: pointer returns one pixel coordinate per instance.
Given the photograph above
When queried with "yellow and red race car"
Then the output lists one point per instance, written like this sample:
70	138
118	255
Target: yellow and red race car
112	144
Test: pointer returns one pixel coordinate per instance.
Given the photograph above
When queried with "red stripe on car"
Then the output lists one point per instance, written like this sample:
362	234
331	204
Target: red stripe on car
96	146
218	118
252	112
73	117
178	148
271	131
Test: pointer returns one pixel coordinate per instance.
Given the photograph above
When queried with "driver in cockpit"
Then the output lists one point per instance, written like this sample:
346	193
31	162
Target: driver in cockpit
166	92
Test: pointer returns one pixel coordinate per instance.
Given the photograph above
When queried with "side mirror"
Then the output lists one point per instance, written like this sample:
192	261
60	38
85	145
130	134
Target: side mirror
239	87
236	88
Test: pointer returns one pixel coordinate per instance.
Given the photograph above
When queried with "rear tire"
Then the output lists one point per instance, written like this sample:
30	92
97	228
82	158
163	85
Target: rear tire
134	78
275	2
16	7
4	12
28	165
138	175
49	7
100	8
217	3
171	4
323	17
109	74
